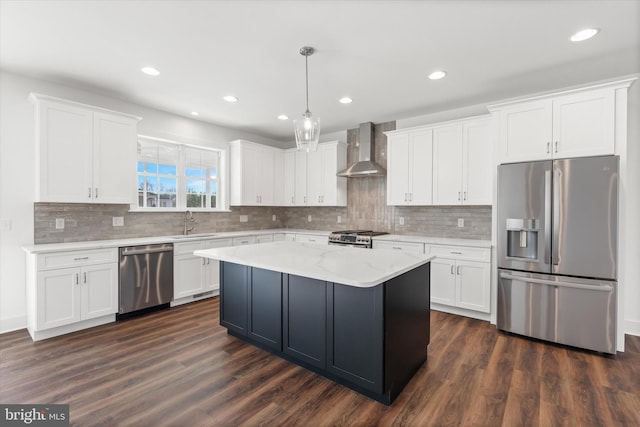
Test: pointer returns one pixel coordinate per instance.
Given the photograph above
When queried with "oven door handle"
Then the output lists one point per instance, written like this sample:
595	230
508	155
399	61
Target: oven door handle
144	251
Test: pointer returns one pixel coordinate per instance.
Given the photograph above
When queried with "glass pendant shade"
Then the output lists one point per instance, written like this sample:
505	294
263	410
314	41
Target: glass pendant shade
307	131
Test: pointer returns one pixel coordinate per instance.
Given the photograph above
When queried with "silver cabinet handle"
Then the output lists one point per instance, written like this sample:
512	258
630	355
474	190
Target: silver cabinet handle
396	248
411	197
202	261
77	277
456	253
405	197
96	192
89	192
464	196
293	200
458	195
556	150
305	200
81	258
548	147
452	269
458	270
84	277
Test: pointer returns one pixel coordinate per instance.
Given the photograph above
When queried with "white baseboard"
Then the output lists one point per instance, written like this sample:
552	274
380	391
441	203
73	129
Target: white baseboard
13	323
461	312
632	327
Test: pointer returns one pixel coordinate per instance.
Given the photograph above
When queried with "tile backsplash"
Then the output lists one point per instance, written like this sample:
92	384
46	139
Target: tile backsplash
366	209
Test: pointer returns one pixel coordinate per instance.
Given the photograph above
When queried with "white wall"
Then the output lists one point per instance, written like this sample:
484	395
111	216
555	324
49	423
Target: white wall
17	173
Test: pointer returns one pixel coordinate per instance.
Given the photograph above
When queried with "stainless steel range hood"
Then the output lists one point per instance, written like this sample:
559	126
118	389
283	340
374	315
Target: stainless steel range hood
365	166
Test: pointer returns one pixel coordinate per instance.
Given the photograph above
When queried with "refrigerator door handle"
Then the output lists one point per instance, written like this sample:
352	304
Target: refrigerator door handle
555	242
603	288
547	217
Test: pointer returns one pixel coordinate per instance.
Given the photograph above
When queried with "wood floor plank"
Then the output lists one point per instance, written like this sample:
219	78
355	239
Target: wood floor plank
179	367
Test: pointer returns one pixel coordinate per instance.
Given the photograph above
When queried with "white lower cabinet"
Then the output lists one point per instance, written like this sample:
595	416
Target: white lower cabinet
194	276
461	278
71	290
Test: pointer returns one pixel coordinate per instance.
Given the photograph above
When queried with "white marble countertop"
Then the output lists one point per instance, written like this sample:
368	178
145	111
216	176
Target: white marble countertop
332	263
434	240
115	243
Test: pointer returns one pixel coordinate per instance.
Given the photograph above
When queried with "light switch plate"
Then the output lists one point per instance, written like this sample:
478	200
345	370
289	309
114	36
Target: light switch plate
339	219
309	218
401	220
460	222
117	221
244	218
59	223
273	218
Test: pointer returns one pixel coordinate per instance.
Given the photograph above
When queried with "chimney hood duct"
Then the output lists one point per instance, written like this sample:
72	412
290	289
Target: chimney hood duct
365	166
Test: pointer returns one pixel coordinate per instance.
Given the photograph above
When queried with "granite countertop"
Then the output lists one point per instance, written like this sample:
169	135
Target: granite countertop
332	263
434	240
115	243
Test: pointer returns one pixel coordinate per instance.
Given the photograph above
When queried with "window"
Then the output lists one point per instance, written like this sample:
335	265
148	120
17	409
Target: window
172	175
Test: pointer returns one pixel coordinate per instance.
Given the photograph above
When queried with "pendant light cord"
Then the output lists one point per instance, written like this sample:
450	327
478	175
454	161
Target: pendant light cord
306	73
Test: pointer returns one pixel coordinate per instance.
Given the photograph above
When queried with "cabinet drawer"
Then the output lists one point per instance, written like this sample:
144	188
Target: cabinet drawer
55	260
220	243
246	240
460	252
185	248
400	246
308	238
264	238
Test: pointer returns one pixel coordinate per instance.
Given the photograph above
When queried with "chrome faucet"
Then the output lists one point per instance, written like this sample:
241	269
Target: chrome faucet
188	218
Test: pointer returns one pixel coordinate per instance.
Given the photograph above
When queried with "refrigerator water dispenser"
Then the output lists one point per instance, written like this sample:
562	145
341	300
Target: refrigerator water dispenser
522	238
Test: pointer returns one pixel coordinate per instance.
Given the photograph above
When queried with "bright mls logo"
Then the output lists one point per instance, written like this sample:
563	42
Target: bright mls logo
35	415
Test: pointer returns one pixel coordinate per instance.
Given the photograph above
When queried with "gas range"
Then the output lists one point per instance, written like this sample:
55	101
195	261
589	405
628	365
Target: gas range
354	238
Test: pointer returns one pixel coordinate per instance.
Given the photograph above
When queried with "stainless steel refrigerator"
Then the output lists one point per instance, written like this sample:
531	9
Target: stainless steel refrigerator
557	250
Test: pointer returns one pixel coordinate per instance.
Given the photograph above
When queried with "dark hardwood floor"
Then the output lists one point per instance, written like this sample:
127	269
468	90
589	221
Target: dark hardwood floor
179	368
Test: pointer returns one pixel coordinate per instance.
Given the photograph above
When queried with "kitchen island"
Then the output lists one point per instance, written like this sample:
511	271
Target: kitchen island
356	316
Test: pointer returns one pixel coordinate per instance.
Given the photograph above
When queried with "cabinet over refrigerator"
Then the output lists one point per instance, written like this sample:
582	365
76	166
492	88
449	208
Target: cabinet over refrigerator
557	250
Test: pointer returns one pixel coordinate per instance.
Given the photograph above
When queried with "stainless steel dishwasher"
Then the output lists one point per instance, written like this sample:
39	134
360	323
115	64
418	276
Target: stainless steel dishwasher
146	277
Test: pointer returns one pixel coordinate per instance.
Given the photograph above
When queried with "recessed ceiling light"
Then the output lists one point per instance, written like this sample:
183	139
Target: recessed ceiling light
283	117
584	34
150	71
195	113
346	100
437	75
231	98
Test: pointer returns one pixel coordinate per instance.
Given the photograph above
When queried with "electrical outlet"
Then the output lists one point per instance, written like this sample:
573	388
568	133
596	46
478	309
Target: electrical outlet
244	218
339	219
273	218
59	223
309	218
401	220
117	221
460	222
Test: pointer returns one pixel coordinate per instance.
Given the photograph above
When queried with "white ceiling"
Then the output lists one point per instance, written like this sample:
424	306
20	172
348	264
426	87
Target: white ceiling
377	52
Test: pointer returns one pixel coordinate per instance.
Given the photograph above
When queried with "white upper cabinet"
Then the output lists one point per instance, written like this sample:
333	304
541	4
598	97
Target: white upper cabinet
279	178
300	178
252	174
324	188
462	163
409	163
574	123
289	187
84	154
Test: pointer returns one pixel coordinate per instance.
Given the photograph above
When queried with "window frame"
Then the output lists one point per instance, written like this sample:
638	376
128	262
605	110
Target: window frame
221	178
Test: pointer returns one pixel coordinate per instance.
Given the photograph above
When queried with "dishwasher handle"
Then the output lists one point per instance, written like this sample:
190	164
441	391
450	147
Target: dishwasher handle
128	252
603	288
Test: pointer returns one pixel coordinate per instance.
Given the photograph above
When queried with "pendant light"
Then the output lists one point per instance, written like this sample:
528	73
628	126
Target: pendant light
307	129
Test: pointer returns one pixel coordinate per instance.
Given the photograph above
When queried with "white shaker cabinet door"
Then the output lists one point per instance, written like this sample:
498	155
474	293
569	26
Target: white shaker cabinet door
443	281
525	132
477	163
58	298
114	158
64	153
473	285
447	165
421	167
99	290
397	169
584	124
